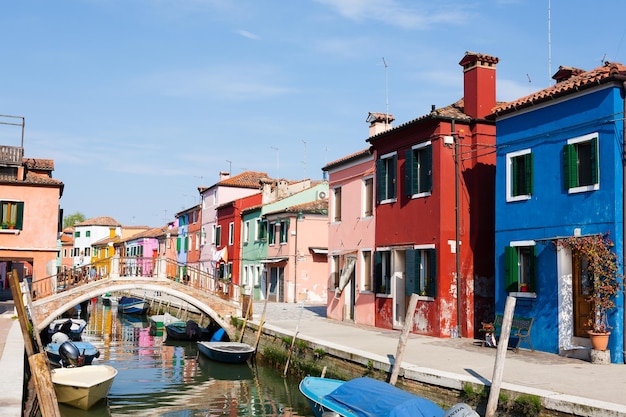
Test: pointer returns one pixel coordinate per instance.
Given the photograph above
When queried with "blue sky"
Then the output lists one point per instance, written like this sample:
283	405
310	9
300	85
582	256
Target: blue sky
139	102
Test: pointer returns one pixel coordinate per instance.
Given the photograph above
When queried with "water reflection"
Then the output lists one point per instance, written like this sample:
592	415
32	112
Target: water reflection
160	377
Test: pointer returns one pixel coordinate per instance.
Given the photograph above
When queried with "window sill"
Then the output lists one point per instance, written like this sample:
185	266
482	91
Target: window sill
425	298
421	195
381	295
523	294
10	231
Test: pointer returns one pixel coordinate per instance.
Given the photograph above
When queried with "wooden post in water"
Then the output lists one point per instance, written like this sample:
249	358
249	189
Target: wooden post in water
503	344
293	341
408	324
245	320
18	301
46	396
262	321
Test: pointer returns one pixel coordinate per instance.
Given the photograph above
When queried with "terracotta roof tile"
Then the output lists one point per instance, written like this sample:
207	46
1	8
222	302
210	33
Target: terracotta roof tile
37	163
601	75
312	207
99	221
248	179
348	158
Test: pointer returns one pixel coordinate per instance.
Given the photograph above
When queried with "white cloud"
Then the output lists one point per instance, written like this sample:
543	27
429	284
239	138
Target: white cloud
247	34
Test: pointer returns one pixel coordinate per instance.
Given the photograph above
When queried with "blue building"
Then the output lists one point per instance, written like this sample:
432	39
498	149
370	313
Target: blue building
559	173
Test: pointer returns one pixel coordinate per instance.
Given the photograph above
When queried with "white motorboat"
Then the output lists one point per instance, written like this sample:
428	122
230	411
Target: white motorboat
84	386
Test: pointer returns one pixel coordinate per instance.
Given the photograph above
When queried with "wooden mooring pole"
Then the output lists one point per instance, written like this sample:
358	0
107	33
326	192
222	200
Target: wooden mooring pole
408	324
503	345
38	362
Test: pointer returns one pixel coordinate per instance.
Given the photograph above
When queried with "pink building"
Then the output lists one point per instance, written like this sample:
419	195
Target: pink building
29	214
351	238
297	252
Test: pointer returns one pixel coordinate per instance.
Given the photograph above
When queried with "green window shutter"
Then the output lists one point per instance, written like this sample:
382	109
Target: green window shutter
428	172
514	180
19	223
378	271
594	161
528	167
380	180
393	175
409	172
186	244
570	166
532	285
178	244
411	272
510	269
432	276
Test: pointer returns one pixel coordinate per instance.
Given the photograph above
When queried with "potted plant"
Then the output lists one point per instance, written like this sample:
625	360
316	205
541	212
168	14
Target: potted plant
602	267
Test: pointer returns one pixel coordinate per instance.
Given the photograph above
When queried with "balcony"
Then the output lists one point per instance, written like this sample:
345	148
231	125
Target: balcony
11	155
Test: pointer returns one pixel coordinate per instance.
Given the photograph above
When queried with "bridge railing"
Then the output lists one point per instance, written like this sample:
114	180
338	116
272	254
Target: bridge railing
132	266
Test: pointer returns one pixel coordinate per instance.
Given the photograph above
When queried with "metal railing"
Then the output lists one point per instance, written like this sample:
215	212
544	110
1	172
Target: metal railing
132	266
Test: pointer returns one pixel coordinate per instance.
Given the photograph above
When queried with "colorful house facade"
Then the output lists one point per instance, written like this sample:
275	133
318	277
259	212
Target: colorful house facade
434	212
29	215
560	173
351	237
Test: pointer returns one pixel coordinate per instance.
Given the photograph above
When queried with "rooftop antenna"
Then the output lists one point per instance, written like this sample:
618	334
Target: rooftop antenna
386	95
529	82
277	158
304	161
230	167
549	48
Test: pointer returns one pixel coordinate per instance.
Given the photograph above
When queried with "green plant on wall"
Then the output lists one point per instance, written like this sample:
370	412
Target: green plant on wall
601	265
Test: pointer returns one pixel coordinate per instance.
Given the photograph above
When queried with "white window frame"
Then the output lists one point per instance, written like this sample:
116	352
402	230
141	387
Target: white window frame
509	176
365	201
231	233
591	187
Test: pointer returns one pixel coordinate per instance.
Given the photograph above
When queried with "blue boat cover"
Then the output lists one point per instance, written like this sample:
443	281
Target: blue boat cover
368	397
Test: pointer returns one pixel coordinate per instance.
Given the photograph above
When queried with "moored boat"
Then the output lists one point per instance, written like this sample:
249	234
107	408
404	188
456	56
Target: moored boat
132	305
363	397
227	352
161	320
189	330
109	299
71	327
84	386
87	352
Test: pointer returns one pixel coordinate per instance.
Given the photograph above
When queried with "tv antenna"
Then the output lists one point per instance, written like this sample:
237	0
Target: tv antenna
386	95
549	48
304	160
529	82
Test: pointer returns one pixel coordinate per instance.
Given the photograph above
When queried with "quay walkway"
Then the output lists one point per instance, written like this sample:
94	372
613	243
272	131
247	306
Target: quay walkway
567	385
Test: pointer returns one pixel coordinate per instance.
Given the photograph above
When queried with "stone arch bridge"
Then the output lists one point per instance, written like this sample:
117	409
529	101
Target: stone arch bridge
209	296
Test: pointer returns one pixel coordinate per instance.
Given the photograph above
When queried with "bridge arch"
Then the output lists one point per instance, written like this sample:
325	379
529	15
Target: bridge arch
54	306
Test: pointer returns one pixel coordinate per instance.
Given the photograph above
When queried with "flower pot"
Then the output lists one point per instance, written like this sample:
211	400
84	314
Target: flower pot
599	341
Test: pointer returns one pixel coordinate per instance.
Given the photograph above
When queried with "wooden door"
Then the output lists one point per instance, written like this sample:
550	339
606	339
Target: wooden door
580	289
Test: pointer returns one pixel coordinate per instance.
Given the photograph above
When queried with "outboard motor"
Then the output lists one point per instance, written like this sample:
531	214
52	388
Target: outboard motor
70	355
461	410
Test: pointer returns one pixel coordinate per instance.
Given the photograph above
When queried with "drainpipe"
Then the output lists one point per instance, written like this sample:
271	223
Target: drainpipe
457	222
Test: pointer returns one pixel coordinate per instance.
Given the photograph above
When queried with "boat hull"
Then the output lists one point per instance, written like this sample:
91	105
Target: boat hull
161	320
130	305
226	352
84	386
87	351
186	331
364	397
71	327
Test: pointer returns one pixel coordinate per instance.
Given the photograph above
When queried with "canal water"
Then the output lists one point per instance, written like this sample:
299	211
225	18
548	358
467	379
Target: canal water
160	377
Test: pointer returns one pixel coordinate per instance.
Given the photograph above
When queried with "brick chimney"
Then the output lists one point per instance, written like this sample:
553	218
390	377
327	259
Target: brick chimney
565	73
479	84
379	122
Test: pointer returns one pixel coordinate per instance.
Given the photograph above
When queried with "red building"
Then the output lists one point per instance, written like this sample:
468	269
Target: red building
228	239
434	187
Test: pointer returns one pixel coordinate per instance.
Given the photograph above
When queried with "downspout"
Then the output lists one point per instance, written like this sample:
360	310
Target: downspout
457	222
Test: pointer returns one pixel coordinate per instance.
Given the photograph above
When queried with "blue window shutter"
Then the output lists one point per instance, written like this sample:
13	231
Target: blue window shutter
510	269
570	166
409	174
411	272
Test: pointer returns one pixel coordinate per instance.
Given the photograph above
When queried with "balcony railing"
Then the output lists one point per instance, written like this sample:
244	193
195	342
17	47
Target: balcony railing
11	155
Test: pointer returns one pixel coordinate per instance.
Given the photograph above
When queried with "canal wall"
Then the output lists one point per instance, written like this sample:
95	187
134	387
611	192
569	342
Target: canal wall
315	358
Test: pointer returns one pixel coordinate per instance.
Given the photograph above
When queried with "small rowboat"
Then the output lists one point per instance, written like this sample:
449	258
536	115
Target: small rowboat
227	352
84	386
